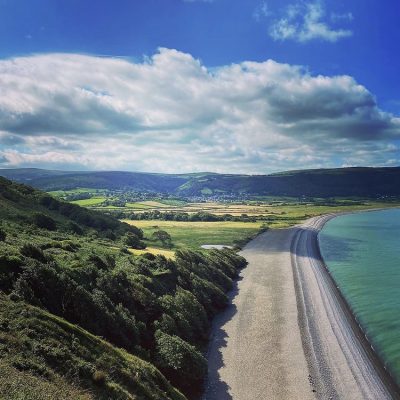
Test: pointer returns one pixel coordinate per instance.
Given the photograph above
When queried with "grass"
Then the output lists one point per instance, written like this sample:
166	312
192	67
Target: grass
192	235
283	216
154	250
16	384
61	193
93	201
79	269
173	202
37	362
146	205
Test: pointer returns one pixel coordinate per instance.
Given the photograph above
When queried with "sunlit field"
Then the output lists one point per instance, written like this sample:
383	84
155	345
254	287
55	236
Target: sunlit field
193	235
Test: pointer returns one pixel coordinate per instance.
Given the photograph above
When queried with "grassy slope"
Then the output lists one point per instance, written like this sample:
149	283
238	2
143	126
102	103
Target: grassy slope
45	357
157	310
42	356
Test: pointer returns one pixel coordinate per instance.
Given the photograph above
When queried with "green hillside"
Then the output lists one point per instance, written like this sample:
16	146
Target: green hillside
322	183
80	317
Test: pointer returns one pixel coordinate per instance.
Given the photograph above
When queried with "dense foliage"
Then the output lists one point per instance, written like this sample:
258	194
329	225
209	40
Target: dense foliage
190	217
156	309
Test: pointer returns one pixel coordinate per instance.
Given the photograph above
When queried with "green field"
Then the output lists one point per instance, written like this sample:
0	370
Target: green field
62	193
146	205
193	235
283	216
93	201
272	212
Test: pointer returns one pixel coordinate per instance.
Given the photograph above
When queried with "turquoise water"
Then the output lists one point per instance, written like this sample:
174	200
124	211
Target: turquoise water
362	251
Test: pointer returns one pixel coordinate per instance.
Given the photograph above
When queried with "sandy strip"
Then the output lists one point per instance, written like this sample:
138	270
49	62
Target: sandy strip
288	333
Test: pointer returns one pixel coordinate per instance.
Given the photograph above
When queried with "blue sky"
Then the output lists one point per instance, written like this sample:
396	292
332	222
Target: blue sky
347	50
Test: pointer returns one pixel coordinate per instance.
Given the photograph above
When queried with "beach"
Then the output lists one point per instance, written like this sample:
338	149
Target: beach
288	332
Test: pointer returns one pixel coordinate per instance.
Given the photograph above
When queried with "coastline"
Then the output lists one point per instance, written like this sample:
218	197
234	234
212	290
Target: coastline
329	373
288	332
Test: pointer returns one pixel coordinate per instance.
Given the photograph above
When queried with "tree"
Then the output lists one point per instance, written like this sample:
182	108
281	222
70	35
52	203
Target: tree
132	240
180	362
164	237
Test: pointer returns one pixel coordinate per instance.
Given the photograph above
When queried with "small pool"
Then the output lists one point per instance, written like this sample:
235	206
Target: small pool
215	246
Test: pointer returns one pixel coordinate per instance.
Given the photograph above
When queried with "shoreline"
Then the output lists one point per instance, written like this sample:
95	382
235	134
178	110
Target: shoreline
371	378
288	332
255	349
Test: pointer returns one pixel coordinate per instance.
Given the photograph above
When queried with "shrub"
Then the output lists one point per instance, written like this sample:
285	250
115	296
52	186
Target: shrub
31	251
180	362
189	315
74	228
10	267
44	221
99	378
49	202
164	237
2	235
109	234
132	240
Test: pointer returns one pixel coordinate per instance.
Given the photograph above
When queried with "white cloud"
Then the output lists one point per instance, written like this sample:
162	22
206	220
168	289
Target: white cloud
303	22
170	113
261	11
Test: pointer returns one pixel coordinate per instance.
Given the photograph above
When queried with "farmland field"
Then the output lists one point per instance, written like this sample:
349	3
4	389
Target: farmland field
250	216
275	215
195	234
147	205
192	235
93	201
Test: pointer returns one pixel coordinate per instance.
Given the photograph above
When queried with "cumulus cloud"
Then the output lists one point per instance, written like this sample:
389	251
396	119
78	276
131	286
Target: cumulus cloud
303	22
171	113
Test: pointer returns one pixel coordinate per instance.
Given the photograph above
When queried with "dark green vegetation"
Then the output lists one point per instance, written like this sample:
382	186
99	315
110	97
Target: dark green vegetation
193	217
322	183
82	318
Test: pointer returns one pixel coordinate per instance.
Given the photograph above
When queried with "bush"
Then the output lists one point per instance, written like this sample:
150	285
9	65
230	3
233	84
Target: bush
164	237
31	251
44	221
99	378
188	314
10	268
180	362
74	228
2	235
132	240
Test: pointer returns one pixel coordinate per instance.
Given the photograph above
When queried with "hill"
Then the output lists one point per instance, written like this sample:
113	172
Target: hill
81	317
323	183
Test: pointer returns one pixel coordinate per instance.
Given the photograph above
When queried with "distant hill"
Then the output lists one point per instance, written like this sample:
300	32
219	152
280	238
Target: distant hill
358	182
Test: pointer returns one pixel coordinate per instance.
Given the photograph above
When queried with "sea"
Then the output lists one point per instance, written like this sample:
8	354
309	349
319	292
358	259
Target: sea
362	252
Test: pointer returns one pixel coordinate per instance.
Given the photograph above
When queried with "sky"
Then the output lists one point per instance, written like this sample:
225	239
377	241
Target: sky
233	86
